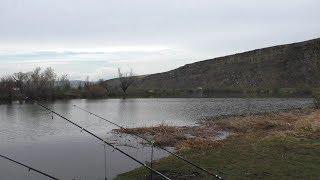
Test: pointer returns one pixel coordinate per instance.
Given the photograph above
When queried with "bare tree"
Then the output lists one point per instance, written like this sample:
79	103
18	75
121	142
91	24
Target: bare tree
41	84
87	84
6	86
64	83
126	79
20	78
102	83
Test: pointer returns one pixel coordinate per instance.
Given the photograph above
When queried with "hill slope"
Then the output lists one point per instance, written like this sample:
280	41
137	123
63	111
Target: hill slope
285	66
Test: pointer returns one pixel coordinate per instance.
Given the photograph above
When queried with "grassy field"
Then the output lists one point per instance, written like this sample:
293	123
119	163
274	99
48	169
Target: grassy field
270	146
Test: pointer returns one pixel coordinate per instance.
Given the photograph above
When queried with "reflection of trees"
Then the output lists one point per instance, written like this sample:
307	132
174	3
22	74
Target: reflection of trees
128	110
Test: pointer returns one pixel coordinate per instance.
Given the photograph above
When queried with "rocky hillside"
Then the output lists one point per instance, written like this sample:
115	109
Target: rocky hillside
294	65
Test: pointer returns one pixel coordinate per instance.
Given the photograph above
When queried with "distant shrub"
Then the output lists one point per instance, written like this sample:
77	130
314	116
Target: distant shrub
96	91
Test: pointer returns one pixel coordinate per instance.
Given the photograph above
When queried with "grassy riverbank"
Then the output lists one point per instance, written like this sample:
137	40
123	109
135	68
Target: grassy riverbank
271	146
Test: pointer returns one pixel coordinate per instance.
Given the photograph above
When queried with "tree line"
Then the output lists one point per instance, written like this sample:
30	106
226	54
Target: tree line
45	84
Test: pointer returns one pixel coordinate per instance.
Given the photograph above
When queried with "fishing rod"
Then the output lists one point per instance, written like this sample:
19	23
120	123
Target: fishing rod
151	142
94	135
29	167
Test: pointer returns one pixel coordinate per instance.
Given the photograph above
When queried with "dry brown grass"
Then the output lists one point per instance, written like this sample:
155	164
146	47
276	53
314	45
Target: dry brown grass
309	125
305	122
159	134
270	146
165	135
286	121
197	143
257	123
310	122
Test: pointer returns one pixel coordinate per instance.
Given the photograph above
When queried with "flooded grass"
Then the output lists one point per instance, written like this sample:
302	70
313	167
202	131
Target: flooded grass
284	145
175	136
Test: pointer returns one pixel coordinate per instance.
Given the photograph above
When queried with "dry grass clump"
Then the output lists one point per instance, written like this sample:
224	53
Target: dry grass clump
293	121
257	123
165	135
309	124
304	122
162	128
197	143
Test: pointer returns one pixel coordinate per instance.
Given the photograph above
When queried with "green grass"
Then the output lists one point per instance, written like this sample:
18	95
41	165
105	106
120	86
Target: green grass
248	156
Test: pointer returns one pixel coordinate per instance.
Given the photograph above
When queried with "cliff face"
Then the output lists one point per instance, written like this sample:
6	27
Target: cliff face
286	66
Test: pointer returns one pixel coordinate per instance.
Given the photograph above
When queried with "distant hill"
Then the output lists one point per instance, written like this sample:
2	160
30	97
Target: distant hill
290	66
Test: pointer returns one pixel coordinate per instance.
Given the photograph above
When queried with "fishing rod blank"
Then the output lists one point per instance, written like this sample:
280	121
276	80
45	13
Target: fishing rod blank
29	167
151	142
97	137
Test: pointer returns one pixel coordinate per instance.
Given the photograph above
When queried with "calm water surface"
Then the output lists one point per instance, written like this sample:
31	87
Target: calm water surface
29	133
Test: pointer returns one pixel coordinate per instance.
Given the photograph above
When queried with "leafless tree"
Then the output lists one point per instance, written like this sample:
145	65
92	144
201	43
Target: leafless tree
42	84
87	84
20	78
102	83
64	82
6	87
126	79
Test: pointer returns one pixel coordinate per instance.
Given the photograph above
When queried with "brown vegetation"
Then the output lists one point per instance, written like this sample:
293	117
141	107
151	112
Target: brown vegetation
165	135
290	122
44	84
40	84
304	122
283	145
96	91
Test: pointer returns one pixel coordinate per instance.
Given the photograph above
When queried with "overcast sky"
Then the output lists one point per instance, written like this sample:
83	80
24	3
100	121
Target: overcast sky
94	37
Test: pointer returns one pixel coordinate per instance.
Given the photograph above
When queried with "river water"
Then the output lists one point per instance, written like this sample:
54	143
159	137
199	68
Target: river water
32	135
